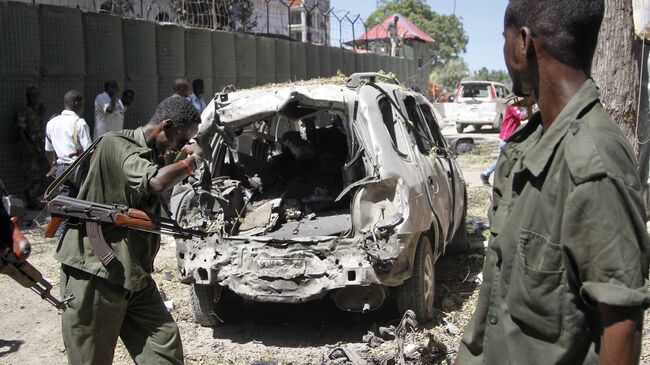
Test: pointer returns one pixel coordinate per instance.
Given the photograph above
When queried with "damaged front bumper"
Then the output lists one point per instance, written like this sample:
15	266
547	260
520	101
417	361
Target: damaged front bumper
294	270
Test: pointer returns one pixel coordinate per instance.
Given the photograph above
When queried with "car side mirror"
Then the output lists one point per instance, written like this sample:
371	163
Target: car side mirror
462	145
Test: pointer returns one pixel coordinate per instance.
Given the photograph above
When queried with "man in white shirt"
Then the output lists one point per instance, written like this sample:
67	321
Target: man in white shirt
109	110
195	97
67	136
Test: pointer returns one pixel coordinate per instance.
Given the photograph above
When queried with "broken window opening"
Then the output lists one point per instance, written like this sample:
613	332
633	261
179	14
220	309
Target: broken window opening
302	166
388	116
421	134
433	125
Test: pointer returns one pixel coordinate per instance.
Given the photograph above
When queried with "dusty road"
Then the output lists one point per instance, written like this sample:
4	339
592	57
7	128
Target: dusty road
282	334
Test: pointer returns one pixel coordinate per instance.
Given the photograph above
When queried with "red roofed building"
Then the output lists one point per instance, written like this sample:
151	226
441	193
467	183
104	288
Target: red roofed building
405	29
397	36
395	28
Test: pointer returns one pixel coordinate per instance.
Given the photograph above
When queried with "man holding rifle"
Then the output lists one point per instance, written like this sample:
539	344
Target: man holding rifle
119	297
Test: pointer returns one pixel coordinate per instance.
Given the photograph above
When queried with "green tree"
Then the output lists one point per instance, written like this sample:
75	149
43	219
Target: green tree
484	74
449	75
447	31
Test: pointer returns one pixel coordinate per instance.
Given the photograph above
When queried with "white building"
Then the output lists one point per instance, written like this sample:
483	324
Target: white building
310	21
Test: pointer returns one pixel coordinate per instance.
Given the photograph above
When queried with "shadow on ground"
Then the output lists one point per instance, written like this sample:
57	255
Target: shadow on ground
9	346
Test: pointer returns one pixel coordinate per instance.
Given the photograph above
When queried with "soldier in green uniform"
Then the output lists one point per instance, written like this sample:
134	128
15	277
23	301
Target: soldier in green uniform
567	262
121	299
31	131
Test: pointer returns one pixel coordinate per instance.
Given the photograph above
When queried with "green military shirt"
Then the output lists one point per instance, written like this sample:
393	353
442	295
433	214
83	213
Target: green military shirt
567	232
119	173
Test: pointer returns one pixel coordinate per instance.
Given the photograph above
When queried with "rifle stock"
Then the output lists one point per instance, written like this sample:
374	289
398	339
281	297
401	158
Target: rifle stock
53	226
13	263
21	247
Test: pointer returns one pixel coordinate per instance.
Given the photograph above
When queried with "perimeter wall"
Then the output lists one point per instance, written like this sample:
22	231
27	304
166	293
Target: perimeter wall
59	49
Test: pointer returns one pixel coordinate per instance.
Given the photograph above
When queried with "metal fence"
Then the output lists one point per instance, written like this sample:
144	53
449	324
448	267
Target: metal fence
311	21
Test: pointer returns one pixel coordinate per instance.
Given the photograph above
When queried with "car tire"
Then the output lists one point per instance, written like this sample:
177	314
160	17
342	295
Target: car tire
213	305
460	128
418	292
459	243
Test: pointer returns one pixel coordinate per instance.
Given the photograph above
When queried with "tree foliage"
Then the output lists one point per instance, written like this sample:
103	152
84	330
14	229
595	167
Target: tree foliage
492	75
450	74
447	31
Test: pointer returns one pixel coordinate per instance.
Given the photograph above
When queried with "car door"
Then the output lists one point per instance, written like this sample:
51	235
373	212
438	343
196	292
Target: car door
452	167
435	168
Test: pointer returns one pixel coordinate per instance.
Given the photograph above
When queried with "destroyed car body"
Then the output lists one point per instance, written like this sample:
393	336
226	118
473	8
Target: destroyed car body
346	190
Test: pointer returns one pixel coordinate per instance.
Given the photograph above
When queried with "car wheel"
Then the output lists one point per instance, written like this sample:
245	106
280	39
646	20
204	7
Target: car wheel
460	128
417	293
213	305
459	244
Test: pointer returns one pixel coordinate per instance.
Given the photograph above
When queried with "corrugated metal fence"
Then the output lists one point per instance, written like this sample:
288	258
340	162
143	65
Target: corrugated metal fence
60	49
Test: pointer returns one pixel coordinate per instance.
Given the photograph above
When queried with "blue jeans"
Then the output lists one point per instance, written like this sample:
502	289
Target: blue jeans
490	169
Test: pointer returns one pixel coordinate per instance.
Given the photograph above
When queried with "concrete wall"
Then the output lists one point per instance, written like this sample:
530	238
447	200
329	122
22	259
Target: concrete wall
60	49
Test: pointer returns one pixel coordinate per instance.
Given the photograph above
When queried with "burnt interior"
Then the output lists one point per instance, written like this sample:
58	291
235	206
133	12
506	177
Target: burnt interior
292	168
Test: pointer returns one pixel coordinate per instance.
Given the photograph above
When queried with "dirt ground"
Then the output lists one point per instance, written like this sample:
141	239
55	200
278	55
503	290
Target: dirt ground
273	334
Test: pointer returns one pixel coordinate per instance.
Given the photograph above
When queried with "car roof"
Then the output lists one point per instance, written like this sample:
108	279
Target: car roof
481	82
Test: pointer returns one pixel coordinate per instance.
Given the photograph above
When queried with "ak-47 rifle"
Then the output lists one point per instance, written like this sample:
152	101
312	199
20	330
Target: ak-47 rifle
94	214
13	262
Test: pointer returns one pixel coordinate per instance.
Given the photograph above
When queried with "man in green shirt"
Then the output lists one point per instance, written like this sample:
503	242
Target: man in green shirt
567	261
121	299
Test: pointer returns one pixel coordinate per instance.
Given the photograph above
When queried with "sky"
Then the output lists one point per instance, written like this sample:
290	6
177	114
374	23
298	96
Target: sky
482	20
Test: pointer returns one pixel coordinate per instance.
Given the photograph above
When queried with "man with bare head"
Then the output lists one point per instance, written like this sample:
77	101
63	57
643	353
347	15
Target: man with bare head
566	266
182	87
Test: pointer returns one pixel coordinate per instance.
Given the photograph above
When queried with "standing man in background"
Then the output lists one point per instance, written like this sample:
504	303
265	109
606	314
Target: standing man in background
31	130
127	98
109	110
196	97
182	88
67	137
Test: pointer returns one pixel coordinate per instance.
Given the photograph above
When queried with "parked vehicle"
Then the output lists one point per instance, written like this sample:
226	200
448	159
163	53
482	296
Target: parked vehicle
478	103
347	190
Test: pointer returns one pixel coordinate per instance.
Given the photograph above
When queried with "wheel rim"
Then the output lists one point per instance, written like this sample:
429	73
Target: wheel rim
429	281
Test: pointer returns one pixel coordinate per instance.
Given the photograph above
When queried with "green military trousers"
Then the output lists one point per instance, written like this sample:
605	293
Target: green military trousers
102	311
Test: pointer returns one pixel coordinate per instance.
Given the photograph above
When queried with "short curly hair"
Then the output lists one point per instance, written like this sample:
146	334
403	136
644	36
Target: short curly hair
177	109
568	28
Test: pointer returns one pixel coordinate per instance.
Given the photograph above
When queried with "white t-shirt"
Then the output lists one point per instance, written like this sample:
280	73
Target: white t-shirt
60	136
107	122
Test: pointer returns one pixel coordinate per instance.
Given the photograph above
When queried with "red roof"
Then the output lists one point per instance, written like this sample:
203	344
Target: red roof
405	29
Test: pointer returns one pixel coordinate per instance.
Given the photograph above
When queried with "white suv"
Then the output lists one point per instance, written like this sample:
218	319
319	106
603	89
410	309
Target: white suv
479	103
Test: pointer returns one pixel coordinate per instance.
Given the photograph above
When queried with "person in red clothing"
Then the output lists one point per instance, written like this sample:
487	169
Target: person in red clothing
511	121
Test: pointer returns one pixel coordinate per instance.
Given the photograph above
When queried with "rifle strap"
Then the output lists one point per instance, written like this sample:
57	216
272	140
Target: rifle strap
98	243
59	180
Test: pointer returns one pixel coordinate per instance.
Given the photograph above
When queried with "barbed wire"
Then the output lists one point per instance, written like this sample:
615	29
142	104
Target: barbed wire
312	21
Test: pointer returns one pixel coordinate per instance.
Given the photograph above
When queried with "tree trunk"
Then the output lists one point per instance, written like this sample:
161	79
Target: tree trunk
616	67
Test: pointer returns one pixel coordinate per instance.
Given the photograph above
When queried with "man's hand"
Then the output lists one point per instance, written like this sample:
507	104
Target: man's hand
620	340
192	149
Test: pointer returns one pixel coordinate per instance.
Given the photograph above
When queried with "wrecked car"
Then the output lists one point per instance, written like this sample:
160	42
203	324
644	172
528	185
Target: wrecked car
340	189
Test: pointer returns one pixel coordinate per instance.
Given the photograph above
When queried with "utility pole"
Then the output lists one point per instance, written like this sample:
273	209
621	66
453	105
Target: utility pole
454	7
